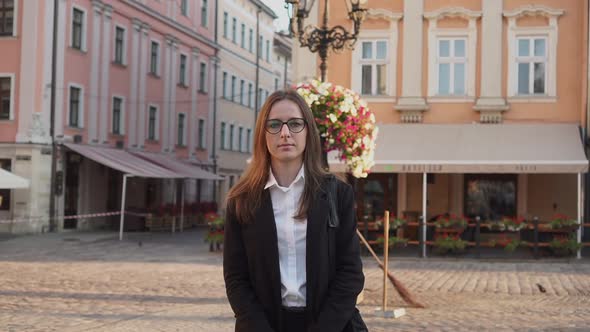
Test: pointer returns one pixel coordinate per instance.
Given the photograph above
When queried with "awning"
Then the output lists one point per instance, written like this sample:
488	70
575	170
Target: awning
477	148
123	161
12	181
177	166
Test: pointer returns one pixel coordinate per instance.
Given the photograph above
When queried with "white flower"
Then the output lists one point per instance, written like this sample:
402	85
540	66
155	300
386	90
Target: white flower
333	118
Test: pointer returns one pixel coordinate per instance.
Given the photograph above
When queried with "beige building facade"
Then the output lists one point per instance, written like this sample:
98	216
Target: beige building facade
481	105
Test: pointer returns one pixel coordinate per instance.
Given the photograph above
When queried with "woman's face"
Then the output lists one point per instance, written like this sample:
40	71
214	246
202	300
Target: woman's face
286	132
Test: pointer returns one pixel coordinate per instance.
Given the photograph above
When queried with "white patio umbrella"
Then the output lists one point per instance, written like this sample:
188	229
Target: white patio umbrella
12	181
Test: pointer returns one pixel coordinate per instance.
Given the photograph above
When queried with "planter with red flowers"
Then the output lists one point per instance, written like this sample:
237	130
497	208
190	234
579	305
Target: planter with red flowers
216	231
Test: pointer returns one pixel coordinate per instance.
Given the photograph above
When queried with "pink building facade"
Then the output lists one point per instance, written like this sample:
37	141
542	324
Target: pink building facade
134	75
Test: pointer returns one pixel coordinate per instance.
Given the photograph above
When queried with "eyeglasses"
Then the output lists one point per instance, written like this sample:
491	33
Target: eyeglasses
295	125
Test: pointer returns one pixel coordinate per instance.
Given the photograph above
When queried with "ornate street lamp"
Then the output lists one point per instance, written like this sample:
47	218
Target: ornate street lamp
322	39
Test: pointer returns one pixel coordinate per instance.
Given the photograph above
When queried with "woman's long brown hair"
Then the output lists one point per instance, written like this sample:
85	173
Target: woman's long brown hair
246	196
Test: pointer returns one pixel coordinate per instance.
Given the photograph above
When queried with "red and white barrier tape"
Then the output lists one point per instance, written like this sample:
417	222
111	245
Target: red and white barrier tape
80	216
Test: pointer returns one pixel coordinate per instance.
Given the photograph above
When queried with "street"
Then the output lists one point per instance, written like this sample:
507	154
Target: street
171	282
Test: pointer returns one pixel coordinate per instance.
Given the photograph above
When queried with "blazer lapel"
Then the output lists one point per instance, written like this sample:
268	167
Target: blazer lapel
316	229
267	230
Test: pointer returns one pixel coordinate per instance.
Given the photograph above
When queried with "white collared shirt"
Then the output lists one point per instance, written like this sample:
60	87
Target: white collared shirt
291	234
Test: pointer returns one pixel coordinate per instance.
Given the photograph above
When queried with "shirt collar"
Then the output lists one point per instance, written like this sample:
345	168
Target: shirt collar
272	181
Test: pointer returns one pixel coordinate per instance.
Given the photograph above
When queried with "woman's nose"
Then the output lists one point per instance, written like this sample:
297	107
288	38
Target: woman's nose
285	132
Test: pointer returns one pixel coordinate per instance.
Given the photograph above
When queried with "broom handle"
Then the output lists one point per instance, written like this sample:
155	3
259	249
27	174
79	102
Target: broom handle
369	247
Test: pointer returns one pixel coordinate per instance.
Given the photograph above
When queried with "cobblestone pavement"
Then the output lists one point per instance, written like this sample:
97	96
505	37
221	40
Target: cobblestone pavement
92	282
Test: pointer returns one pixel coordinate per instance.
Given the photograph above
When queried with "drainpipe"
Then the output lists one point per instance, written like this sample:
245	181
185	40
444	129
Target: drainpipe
215	66
52	221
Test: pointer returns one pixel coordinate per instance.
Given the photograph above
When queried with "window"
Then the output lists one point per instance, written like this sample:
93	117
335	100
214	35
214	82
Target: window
374	67
180	138
249	140
152	129
204	13
251	41
154	58
203	77
5	164
225	18
233	88
182	74
5	98
531	62
184	7
250	95
77	28
490	197
260	47
241	92
224	85
222	136
231	137
451	66
276	84
75	107
201	133
259	97
119	45
268	51
240	135
231	181
233	30
117	115
243	36
6	17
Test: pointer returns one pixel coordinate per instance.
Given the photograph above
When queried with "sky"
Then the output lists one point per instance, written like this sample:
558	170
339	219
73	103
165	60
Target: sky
278	6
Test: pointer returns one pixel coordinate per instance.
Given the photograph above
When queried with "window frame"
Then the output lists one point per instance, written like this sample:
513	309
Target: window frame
251	41
184	7
222	135
201	128
203	77
225	24
121	115
80	119
452	60
3	12
11	106
224	77
234	30
156	135
240	139
182	72
123	59
550	31
233	88
242	91
373	36
151	70
232	137
181	129
83	28
249	140
204	13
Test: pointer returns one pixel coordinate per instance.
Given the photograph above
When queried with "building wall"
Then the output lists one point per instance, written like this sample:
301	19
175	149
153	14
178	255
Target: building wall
236	60
549	194
27	60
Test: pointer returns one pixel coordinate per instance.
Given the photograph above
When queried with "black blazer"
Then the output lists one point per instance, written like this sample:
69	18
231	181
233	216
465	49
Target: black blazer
252	274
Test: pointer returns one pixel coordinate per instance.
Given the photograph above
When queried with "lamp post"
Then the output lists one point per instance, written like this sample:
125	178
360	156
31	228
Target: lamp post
322	39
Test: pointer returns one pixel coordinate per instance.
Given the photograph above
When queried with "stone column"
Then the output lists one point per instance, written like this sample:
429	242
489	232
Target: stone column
411	104
93	94
491	104
106	65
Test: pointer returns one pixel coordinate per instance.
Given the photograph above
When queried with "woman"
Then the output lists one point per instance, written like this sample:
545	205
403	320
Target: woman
280	273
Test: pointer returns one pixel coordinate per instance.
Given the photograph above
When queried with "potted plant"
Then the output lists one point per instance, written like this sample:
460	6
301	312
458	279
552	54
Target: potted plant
564	246
563	222
394	241
449	244
345	123
216	231
510	244
514	224
451	222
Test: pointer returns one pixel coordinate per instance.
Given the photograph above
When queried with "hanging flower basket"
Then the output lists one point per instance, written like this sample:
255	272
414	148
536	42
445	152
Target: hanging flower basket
345	123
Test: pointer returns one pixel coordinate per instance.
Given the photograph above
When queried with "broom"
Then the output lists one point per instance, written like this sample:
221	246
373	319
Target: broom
399	287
